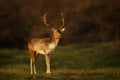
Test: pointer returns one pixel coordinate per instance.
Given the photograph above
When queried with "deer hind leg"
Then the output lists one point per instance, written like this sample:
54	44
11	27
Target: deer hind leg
34	62
31	62
47	58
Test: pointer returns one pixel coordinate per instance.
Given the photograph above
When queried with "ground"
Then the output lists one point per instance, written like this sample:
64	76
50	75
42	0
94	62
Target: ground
93	61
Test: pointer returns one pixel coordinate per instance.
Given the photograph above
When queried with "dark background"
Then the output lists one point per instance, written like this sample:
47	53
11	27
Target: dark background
86	21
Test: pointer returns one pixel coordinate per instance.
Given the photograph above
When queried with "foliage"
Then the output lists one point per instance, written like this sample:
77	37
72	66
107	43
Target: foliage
85	21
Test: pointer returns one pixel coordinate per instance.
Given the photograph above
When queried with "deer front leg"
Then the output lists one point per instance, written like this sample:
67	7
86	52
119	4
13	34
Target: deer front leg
47	58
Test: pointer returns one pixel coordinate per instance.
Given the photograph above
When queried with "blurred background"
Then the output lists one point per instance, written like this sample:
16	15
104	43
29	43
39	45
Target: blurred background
86	21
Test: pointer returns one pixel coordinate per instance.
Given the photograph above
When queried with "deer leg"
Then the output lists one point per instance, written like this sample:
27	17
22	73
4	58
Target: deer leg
34	63
31	67
31	61
47	58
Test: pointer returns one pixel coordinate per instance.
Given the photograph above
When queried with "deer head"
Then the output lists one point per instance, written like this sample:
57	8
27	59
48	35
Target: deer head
57	31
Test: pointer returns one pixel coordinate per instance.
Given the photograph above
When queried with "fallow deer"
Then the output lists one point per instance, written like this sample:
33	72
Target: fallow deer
45	45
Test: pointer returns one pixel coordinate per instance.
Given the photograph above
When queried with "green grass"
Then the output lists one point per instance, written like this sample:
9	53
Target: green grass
96	61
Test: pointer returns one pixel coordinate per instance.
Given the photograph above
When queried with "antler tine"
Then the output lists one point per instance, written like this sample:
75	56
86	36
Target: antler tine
45	21
63	21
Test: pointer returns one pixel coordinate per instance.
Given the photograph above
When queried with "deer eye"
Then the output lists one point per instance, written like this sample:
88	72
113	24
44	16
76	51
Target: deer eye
59	31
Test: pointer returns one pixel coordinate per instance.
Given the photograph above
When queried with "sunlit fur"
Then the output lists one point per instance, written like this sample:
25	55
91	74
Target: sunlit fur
43	46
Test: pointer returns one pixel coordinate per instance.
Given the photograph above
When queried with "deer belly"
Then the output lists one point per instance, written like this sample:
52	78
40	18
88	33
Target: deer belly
43	51
39	50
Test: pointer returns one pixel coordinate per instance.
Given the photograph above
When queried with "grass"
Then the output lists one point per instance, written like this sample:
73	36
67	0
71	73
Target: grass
96	61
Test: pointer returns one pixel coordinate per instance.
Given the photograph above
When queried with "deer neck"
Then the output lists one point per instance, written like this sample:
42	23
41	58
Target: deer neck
54	39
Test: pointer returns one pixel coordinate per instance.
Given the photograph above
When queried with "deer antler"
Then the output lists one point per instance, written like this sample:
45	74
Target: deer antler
63	21
45	21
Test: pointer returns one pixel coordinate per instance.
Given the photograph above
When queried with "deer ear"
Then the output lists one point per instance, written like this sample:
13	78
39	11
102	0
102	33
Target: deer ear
63	29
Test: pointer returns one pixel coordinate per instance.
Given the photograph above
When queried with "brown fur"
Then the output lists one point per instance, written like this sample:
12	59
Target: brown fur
43	46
